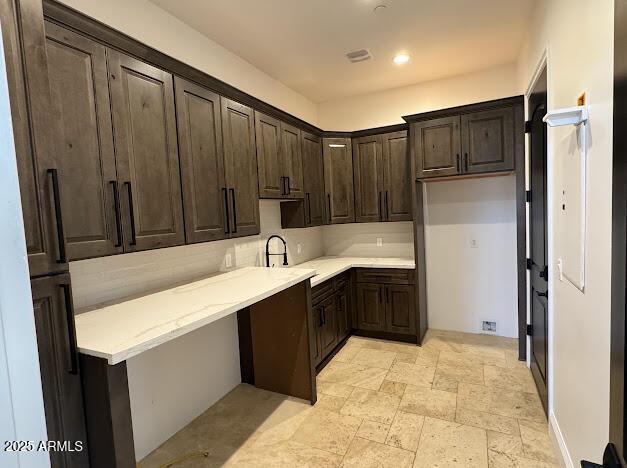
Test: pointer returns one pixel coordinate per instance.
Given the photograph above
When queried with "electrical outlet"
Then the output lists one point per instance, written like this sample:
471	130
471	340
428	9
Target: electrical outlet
379	241
227	261
298	248
474	244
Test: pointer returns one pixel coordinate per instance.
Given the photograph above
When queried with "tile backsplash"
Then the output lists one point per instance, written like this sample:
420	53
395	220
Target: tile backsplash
360	239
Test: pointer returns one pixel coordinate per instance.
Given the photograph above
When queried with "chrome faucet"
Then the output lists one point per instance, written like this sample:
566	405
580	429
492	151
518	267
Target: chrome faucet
268	250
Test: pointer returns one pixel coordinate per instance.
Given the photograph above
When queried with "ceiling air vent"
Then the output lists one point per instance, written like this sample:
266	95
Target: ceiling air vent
358	55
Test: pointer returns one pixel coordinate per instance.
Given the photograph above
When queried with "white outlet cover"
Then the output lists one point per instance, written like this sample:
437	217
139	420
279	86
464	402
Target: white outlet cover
298	248
474	244
227	260
379	242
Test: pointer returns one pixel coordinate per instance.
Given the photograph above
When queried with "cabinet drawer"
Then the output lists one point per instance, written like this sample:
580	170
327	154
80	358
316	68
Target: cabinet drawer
340	281
321	291
385	276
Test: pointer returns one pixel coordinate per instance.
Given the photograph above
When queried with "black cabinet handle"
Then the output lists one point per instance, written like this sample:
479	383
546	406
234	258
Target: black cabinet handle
380	295
227	224
71	329
387	294
56	200
465	162
116	209
131	212
329	204
387	207
308	208
282	185
289	187
380	207
323	319
232	190
458	164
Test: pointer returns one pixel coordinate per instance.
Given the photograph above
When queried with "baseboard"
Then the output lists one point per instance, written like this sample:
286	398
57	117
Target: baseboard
558	440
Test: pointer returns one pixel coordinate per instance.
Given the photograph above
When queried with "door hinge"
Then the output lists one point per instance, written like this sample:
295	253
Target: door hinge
528	196
529	263
528	126
529	330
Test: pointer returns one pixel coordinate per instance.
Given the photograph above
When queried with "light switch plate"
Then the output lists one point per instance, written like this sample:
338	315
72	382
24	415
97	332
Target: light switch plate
379	241
298	248
474	244
227	261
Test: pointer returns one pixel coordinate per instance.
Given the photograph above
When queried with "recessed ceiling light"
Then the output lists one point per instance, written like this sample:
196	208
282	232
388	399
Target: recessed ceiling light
400	59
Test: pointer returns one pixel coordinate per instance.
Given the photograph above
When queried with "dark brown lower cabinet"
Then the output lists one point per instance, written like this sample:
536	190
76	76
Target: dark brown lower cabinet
400	308
343	313
328	329
370	306
60	374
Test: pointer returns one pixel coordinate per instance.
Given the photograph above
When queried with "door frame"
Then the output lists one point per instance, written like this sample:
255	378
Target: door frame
543	63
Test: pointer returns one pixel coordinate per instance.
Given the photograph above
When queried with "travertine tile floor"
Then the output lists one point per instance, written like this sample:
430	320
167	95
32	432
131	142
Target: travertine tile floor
460	400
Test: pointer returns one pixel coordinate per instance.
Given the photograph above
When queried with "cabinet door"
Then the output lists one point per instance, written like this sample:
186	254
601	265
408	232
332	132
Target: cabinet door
272	183
86	161
401	308
343	314
328	331
338	180
240	161
317	321
142	100
368	179
488	140
437	147
202	162
292	161
35	131
314	181
370	306
58	363
397	177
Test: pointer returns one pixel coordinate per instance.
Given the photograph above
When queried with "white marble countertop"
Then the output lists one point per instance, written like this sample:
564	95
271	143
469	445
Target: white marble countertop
119	331
328	267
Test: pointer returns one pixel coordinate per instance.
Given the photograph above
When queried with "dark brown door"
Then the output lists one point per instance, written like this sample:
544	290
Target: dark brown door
438	147
397	177
292	161
35	132
86	161
58	362
488	141
240	162
272	183
142	100
368	179
538	238
338	180
370	306
401	308
328	331
343	313
202	162
317	321
314	181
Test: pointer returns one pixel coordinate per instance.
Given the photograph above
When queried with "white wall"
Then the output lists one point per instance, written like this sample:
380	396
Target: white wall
580	322
387	107
172	384
360	239
155	27
466	284
21	401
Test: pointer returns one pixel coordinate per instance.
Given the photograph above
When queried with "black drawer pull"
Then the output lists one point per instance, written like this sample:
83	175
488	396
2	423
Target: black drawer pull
380	208
308	215
227	227
116	209
56	200
465	162
458	165
232	190
71	329
289	187
131	212
387	207
329	204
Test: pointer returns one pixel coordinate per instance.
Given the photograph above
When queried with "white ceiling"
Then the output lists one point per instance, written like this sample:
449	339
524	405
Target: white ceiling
302	42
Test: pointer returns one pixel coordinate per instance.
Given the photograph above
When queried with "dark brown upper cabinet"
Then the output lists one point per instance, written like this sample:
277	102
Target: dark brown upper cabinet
382	168
368	179
437	146
205	194
310	211
144	125
488	140
475	142
59	368
397	176
86	160
35	133
338	180
279	158
240	163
